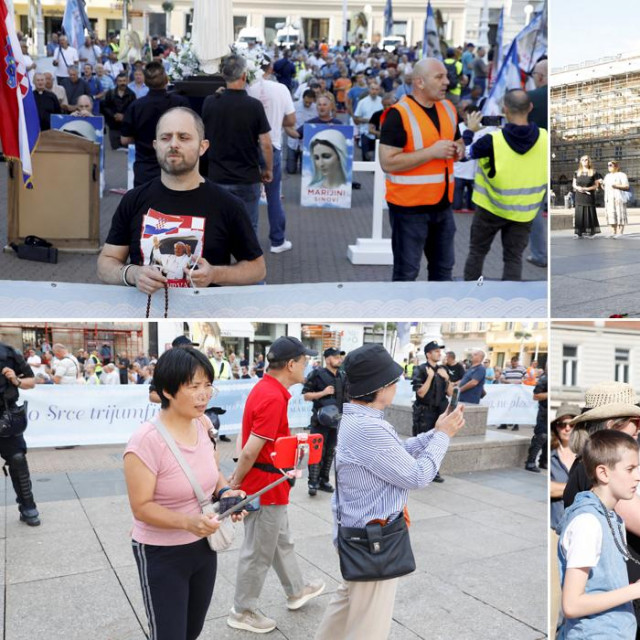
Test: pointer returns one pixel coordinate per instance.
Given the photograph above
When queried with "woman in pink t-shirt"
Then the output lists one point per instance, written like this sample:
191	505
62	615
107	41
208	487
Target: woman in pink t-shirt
176	565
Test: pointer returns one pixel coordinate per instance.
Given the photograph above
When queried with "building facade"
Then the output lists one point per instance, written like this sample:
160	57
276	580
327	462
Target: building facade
587	353
125	338
461	18
595	110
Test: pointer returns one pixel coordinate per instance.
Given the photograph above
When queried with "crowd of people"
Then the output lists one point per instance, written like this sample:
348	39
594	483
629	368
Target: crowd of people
253	129
434	381
56	364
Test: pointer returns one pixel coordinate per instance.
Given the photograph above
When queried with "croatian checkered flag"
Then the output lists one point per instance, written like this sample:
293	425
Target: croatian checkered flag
19	122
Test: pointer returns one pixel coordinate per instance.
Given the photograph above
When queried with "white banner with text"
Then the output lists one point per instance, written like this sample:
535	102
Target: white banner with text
61	415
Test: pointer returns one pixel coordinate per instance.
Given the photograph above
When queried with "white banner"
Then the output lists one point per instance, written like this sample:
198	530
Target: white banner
61	415
510	404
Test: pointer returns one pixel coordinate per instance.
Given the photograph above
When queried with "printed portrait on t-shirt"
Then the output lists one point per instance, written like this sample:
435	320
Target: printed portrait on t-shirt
327	165
172	244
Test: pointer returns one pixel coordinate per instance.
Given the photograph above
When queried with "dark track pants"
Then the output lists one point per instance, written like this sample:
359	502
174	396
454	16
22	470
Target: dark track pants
177	585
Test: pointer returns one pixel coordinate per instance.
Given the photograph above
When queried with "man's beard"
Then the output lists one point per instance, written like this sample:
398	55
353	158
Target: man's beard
179	169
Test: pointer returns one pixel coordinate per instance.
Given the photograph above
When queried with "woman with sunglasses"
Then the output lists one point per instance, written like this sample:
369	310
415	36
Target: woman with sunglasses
177	567
616	193
586	182
374	472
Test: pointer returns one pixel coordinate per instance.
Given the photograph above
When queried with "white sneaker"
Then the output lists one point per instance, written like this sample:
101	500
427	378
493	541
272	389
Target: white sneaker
310	591
281	248
250	621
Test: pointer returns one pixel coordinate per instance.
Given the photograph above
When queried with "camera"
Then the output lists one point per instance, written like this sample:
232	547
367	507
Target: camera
491	121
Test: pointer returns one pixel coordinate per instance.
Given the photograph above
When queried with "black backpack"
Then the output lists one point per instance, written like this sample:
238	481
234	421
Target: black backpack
452	75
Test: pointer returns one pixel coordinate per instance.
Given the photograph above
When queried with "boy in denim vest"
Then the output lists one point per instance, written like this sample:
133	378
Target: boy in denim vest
592	552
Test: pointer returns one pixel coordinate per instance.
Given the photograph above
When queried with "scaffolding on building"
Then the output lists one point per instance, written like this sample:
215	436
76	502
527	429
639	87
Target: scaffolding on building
597	115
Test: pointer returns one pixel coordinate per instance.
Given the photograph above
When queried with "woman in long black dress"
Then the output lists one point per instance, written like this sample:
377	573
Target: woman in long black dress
586	182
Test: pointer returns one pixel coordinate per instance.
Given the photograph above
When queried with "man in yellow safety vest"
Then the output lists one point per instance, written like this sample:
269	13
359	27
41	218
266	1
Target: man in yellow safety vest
510	185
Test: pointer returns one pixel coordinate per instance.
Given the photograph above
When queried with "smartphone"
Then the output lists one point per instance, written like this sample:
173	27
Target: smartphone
227	503
285	454
491	121
454	400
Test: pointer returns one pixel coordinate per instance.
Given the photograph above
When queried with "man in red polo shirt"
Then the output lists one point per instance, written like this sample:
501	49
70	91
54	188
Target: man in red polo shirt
267	538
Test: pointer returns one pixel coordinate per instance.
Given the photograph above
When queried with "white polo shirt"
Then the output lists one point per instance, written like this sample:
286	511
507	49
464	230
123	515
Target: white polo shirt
277	103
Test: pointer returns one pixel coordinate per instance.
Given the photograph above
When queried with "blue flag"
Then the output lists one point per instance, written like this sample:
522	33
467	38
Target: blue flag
74	22
532	41
388	19
508	78
431	38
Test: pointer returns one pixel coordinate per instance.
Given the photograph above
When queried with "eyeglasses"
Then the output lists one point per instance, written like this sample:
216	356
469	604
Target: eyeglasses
208	390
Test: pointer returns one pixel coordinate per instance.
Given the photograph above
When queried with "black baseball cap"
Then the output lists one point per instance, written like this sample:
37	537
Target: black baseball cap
434	344
288	348
183	341
370	368
332	351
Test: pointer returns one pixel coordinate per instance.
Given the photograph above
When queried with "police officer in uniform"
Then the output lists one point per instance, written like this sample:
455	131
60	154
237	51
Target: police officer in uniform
431	384
16	374
325	387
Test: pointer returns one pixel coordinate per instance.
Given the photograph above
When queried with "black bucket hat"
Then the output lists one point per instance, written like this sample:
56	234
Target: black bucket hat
370	368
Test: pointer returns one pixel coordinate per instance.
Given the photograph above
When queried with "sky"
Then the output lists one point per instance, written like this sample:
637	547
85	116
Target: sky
585	30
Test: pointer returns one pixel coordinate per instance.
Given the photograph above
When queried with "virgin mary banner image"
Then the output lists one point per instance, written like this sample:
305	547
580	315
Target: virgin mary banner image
327	166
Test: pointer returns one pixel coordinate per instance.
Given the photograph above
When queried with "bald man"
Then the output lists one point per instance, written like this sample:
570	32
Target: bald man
419	142
181	195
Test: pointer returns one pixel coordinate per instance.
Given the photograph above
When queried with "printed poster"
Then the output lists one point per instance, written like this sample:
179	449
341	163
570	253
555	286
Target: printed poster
89	127
172	243
327	166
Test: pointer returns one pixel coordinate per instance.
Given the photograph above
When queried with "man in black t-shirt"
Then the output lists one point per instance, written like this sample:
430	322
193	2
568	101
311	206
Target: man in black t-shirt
454	369
140	120
181	205
237	129
419	168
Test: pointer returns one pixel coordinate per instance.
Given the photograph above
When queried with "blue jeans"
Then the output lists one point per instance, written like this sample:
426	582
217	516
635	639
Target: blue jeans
538	238
462	185
414	234
293	160
250	196
277	216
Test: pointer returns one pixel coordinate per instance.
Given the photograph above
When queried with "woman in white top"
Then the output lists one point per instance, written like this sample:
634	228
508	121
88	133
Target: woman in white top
616	188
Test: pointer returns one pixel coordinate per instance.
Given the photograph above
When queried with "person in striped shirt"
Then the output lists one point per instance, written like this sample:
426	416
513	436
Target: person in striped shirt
374	472
513	374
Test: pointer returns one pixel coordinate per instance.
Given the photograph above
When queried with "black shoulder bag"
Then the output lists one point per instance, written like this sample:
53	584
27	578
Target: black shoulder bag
376	552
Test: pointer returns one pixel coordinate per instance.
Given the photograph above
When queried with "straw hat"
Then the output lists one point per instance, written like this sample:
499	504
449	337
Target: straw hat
609	393
607	401
609	412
